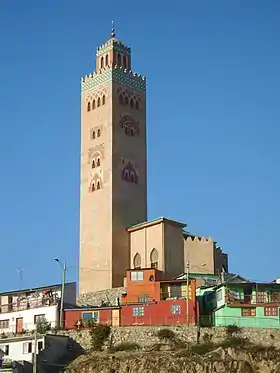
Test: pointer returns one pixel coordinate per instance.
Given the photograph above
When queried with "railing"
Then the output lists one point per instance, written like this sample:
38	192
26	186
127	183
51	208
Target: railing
22	306
253	300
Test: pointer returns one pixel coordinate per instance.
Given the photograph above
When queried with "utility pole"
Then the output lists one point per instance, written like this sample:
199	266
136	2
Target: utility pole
64	270
188	283
35	351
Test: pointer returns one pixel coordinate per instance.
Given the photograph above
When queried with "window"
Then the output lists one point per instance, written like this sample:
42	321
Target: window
87	316
138	311
132	177
137	276
121	99
103	100
261	297
131	104
5	349
88	106
93	164
93	135
248	312
4	324
39	318
98	133
175	291
93	187
98	185
119	60
131	132
126	100
126	130
93	104
154	258
270	311
27	348
102	62
175	309
137	261
98	162
137	105
274	297
126	175
154	265
143	298
40	346
107	60
98	102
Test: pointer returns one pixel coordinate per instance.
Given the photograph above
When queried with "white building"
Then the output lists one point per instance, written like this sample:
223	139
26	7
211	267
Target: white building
49	348
20	310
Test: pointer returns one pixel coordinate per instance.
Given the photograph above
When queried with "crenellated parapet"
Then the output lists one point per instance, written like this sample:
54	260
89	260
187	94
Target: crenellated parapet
113	44
117	74
200	239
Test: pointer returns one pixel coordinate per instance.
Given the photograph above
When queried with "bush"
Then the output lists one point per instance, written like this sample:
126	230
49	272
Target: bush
42	326
202	348
166	335
232	329
234	342
99	334
207	338
125	346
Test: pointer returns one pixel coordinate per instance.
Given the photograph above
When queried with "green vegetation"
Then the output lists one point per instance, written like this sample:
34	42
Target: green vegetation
99	334
125	346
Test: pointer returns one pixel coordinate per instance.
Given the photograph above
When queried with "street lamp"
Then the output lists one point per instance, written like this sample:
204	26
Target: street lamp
64	269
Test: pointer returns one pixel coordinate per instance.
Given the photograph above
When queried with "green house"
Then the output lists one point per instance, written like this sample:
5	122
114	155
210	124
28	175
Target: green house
244	304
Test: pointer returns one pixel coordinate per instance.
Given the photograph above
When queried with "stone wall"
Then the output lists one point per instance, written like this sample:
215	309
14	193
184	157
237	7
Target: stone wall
145	336
96	298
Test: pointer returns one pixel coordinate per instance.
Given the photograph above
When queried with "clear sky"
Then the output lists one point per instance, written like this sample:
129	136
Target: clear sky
213	118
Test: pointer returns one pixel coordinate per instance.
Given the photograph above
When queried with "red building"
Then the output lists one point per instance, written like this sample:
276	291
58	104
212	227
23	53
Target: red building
152	301
79	317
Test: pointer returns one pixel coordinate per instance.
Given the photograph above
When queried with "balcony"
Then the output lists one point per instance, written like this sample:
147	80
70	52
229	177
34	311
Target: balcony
24	305
258	298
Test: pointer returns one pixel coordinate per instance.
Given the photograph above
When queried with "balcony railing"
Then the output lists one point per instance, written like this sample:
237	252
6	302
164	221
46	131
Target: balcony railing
253	299
27	305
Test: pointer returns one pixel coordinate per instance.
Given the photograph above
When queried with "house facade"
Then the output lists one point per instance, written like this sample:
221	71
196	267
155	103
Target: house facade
79	317
244	304
21	310
149	300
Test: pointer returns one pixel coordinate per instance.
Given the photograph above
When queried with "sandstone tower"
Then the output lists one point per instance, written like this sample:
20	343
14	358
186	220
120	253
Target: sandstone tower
113	166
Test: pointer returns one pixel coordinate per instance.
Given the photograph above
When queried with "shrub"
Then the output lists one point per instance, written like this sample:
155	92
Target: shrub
232	329
234	342
42	326
202	348
207	338
125	346
99	334
166	335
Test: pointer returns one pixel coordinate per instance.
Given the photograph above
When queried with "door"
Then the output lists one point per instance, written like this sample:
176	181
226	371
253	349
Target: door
19	325
116	317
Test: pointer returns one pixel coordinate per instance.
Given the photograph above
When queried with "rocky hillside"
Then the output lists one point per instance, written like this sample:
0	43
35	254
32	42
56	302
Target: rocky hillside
235	354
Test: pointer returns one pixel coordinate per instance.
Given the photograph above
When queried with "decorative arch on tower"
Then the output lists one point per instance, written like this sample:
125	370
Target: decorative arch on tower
154	258
129	174
137	261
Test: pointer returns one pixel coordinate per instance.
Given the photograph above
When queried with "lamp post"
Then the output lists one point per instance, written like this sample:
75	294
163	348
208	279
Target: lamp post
64	269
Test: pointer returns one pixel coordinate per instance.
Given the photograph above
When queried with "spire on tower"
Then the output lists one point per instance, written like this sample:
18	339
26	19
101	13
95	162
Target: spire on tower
113	34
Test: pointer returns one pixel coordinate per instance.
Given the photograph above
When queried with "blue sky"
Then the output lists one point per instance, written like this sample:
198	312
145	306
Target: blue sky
213	117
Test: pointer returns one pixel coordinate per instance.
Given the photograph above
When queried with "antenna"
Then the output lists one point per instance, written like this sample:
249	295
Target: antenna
20	272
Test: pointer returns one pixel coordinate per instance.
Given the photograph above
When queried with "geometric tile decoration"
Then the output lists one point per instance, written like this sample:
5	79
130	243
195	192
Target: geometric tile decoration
115	74
119	47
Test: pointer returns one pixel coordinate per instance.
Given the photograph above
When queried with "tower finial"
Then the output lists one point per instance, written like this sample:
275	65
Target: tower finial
113	34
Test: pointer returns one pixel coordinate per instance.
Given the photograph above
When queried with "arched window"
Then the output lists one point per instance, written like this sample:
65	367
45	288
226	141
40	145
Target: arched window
98	133
132	177
102	62
93	135
154	258
124	62
93	104
98	102
131	104
88	106
119	60
126	100
126	175
92	187
98	162
132	131
93	164
137	105
121	99
137	261
103	100
107	60
98	185
126	130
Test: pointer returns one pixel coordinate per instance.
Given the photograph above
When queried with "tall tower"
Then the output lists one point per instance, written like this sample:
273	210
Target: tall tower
113	166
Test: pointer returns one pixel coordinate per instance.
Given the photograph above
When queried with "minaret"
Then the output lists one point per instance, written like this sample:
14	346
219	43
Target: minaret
113	190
